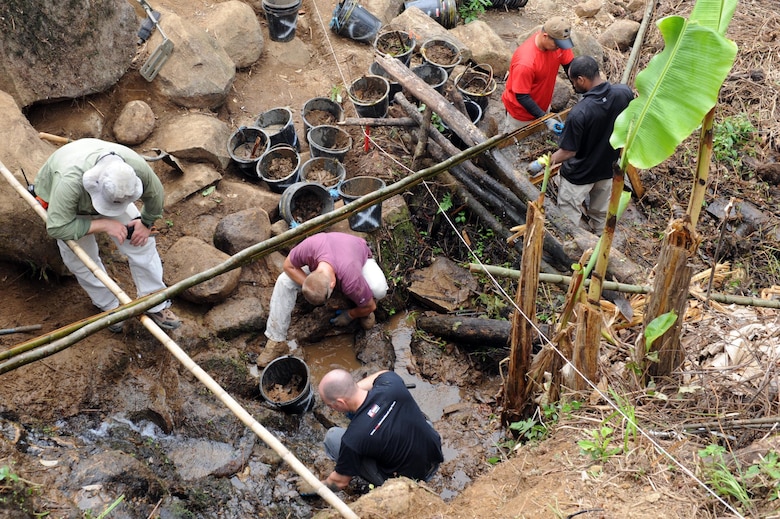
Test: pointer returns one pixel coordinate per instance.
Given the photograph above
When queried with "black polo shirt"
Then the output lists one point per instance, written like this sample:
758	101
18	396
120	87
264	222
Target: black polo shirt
587	131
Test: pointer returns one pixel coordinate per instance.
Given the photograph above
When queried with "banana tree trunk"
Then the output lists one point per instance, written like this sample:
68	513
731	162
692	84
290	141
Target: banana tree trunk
702	168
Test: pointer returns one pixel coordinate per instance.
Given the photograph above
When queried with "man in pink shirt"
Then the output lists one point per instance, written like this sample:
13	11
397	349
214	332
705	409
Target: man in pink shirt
532	73
316	266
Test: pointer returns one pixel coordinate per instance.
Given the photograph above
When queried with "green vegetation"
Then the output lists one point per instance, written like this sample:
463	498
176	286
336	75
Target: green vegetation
473	9
599	446
16	493
733	137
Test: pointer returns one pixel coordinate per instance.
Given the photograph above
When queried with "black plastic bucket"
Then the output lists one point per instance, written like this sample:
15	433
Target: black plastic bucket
282	16
316	108
433	75
376	70
273	158
303	201
329	141
286	384
240	146
449	48
369	219
475	114
477	84
350	19
443	11
376	108
327	171
278	124
395	44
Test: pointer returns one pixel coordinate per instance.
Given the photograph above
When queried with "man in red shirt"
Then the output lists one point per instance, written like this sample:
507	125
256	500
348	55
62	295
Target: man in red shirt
532	73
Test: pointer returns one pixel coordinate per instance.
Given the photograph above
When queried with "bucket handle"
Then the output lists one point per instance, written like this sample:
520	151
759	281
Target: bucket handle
481	69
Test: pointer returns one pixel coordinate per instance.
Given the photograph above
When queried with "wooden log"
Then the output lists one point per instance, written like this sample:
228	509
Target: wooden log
422	137
372	121
576	240
470	331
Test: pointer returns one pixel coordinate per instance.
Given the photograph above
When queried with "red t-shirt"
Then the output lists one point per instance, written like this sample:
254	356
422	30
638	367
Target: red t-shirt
533	71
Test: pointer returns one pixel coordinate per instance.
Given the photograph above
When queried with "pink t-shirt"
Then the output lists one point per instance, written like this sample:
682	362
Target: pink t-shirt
533	71
345	253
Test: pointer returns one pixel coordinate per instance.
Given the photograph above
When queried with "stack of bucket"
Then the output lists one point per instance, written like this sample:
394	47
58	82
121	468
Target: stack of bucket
282	16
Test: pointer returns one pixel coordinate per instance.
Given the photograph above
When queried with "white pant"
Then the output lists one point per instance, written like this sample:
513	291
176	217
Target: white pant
571	196
145	266
286	292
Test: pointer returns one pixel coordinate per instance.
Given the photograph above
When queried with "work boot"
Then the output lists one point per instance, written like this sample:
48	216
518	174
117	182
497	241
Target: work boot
273	350
368	321
165	319
116	327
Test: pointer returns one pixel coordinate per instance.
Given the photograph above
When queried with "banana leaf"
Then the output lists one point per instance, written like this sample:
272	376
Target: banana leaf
676	90
715	14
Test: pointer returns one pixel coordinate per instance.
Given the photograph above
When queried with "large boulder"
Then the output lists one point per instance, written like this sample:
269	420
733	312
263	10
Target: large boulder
63	50
198	73
190	256
485	46
236	28
23	237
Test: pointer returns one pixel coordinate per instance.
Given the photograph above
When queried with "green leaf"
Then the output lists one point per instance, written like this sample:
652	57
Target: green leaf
678	87
659	326
715	14
207	191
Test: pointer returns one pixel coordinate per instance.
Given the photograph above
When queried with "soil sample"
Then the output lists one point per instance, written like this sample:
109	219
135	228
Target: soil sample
392	44
320	117
279	168
307	206
281	393
321	176
249	150
370	93
441	54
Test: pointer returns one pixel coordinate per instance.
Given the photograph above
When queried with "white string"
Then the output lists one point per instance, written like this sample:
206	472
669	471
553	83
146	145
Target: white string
511	301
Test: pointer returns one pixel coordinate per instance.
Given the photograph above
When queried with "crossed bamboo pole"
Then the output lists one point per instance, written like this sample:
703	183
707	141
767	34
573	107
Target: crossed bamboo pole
241	413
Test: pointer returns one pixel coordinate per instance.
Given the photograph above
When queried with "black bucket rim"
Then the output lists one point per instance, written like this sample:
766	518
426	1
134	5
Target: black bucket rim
441	39
290	405
327	160
335	150
384	81
344	195
276	182
430	65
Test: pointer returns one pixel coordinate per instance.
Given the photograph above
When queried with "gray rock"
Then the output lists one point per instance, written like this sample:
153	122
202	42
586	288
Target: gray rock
485	46
190	256
237	196
236	316
562	95
183	78
243	229
86	46
385	10
620	35
134	124
196	177
24	238
588	9
236	28
444	286
586	45
196	137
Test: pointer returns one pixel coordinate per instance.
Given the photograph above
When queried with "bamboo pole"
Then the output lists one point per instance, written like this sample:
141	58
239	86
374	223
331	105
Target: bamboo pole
627	288
20	329
193	368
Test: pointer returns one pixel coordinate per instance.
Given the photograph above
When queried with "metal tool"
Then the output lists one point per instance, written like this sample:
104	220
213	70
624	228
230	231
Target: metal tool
166	158
160	55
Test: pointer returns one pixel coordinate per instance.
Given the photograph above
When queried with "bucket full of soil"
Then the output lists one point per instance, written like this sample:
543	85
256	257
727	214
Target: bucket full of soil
279	167
319	111
286	384
369	219
278	124
433	75
352	20
441	52
329	141
303	201
282	16
395	44
245	146
370	95
443	11
325	171
477	83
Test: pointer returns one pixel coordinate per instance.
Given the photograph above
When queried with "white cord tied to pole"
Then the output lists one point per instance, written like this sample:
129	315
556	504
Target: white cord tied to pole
236	408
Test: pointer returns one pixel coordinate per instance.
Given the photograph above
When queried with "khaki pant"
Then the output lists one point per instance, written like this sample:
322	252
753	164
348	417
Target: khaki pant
571	197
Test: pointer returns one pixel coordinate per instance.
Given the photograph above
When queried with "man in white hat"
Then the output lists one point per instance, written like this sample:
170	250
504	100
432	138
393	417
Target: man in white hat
532	73
89	186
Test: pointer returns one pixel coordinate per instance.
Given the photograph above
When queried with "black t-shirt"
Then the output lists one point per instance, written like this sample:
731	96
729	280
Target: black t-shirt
390	428
587	131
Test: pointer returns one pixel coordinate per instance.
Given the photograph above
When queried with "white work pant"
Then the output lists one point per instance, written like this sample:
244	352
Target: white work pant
144	261
286	292
571	197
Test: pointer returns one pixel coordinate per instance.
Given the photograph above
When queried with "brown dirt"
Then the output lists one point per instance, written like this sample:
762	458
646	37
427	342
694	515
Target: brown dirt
440	53
320	117
321	176
279	168
307	206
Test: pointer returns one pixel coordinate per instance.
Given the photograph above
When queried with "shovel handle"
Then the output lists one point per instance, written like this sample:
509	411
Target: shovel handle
54	138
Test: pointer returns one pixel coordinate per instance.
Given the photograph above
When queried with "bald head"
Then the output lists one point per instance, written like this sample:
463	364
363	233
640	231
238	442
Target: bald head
316	287
337	384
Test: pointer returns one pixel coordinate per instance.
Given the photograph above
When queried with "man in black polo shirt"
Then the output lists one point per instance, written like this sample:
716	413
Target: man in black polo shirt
584	149
388	436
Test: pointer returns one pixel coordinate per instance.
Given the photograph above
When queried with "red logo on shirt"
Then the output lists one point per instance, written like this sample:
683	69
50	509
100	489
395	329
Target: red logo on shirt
373	411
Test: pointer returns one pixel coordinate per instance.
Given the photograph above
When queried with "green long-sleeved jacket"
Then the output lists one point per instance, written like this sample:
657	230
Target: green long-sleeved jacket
59	183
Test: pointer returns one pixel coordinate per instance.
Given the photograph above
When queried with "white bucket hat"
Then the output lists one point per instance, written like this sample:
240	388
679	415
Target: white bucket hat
112	184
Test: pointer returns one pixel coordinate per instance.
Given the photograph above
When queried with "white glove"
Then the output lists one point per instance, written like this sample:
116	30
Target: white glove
554	125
